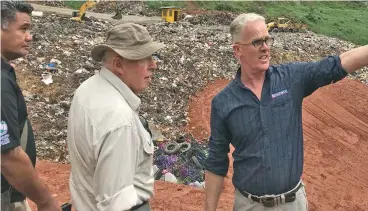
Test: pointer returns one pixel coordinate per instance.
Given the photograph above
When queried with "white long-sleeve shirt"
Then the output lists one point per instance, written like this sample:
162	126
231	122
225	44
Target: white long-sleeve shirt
110	151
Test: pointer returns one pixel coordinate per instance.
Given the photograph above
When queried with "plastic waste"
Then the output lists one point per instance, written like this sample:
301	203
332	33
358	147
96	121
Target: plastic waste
197	184
49	66
169	177
37	13
47	78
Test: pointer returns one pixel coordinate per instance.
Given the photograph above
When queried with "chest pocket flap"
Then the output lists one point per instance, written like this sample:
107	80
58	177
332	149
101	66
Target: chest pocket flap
281	98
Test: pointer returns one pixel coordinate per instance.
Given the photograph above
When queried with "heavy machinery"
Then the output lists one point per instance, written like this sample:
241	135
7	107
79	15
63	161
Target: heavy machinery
80	16
285	25
171	14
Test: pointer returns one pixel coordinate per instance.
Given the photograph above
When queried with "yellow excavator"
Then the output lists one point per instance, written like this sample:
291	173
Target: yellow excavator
286	25
80	16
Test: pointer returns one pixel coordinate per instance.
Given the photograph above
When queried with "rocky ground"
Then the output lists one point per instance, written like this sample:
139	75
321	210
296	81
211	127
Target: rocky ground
197	51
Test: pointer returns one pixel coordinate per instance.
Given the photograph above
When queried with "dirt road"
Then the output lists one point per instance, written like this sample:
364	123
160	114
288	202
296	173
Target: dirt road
335	121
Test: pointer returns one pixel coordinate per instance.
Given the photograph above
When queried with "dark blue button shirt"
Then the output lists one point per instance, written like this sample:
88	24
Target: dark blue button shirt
266	134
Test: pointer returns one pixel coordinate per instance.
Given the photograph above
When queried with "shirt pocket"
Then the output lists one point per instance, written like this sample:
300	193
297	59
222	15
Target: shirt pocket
147	144
282	101
148	148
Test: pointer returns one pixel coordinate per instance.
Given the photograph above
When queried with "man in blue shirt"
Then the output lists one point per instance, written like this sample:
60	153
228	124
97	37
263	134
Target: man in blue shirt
260	114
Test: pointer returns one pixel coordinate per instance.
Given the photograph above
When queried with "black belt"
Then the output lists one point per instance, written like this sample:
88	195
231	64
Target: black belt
138	206
273	201
68	206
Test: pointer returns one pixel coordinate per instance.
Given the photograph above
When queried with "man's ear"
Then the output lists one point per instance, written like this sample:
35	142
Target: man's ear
236	51
118	65
117	62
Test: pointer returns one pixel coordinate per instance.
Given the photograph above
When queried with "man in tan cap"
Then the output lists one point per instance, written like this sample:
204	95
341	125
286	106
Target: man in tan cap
110	150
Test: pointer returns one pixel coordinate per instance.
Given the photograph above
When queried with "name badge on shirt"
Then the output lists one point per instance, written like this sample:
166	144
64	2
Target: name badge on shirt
278	94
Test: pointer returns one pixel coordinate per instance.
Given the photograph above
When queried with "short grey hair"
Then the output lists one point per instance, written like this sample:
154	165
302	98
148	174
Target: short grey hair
107	55
9	11
238	24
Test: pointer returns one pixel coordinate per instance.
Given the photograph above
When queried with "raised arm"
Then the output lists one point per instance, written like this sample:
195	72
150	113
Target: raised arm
355	59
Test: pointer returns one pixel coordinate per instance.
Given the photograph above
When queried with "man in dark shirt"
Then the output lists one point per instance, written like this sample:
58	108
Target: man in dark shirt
18	152
260	114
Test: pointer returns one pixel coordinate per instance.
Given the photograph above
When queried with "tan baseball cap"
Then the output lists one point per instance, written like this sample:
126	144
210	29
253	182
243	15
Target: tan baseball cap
129	40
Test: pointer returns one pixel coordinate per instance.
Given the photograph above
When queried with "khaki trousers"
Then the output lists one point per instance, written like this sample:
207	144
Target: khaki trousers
242	203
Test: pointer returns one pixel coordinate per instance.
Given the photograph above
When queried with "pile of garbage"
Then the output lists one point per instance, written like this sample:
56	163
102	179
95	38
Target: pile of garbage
181	161
125	7
211	17
195	54
198	16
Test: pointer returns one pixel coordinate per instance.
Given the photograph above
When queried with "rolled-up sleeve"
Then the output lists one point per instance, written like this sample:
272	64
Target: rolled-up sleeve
117	157
314	75
218	160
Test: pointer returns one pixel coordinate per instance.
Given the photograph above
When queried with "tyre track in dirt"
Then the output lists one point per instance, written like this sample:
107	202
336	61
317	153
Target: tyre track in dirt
335	121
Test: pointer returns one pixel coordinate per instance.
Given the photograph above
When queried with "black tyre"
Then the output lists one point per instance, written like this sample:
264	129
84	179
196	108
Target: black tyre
171	148
185	147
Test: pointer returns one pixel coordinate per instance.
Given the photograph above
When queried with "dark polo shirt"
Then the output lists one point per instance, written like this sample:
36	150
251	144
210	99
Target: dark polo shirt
13	117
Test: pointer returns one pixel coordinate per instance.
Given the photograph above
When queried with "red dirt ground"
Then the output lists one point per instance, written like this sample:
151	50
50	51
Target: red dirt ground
335	121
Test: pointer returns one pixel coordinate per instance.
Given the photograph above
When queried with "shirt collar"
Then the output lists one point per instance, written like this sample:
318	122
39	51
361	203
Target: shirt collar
5	65
238	74
132	99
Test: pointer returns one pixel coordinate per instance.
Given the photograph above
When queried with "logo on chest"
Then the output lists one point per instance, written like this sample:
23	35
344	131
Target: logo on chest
3	128
278	94
4	136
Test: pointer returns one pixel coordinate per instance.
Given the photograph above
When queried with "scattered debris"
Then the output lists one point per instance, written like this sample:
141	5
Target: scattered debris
37	13
197	51
47	78
81	70
181	161
197	184
49	67
169	177
125	7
